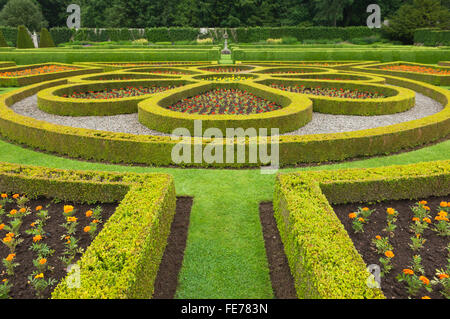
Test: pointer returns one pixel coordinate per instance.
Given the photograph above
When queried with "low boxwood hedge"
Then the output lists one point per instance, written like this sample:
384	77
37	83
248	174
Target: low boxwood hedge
117	66
156	150
345	77
435	79
123	260
51	100
31	79
296	111
398	99
444	63
6	64
322	258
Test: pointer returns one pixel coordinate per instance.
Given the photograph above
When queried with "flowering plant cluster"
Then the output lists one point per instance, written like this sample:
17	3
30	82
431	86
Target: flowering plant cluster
224	69
119	93
416	69
329	92
39	70
172	72
360	218
225	101
233	78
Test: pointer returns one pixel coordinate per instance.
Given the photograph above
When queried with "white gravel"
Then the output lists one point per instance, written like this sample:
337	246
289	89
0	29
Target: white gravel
321	123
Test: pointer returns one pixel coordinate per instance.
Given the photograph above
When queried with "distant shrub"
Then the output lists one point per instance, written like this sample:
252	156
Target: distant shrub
274	41
205	41
289	40
46	40
2	40
23	38
140	42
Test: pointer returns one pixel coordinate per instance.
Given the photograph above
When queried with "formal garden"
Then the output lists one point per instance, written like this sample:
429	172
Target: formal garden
237	162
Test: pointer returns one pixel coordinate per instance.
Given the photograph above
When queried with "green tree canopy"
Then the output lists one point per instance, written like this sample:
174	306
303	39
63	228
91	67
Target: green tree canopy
23	12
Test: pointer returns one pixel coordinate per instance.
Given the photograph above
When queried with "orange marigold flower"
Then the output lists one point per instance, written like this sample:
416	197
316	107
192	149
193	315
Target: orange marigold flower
426	207
390	211
10	257
68	209
95	221
352	215
33	224
37	238
443	276
427	220
22	210
4	195
89	213
425	280
443	213
42	261
408	271
13	211
378	237
443	204
389	254
71	219
423	202
7	239
361	219
365	209
87	229
38	208
15	196
2	226
426	297
416	219
67	237
10	235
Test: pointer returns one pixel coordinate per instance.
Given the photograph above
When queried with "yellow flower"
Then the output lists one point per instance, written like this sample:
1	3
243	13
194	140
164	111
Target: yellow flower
426	297
41	275
444	204
7	239
442	213
4	195
68	209
10	235
71	219
365	209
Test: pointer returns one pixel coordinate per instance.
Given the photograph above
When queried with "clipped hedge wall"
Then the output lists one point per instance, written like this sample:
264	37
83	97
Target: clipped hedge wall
31	79
397	99
123	260
6	64
323	260
10	34
432	37
24	40
51	100
46	40
3	42
435	79
61	35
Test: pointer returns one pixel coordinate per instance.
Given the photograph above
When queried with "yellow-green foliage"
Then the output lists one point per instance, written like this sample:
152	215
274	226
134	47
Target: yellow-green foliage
322	257
123	260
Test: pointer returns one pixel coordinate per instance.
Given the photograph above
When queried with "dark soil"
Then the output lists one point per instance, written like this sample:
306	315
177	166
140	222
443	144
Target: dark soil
433	253
280	274
167	279
21	289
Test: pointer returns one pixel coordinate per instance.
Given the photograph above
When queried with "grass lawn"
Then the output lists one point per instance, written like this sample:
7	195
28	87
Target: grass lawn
225	254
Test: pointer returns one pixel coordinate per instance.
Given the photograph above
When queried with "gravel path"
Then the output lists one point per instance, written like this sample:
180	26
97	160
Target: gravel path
321	123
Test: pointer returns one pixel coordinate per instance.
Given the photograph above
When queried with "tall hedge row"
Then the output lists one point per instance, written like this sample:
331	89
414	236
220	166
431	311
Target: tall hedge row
24	40
432	37
10	34
2	40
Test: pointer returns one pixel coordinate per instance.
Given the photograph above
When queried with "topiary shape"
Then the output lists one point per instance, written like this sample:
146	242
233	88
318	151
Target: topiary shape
24	40
46	40
2	40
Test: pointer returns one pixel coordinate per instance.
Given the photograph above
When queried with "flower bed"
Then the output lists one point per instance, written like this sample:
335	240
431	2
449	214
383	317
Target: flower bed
226	77
40	239
224	101
408	240
101	98
120	93
36	71
415	69
227	69
321	255
164	71
330	92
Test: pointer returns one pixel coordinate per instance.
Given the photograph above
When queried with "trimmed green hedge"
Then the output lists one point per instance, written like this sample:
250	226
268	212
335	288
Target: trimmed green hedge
51	100
296	111
10	34
46	40
24	40
123	260
61	35
397	99
435	79
432	37
322	258
62	55
444	63
3	42
6	64
31	79
420	55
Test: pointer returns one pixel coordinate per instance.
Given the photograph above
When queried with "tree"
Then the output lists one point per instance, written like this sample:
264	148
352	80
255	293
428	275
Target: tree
22	12
3	42
46	40
420	14
23	38
330	11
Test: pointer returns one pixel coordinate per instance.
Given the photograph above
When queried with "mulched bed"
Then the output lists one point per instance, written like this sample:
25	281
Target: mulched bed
20	287
433	253
280	274
167	279
224	101
123	92
333	92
